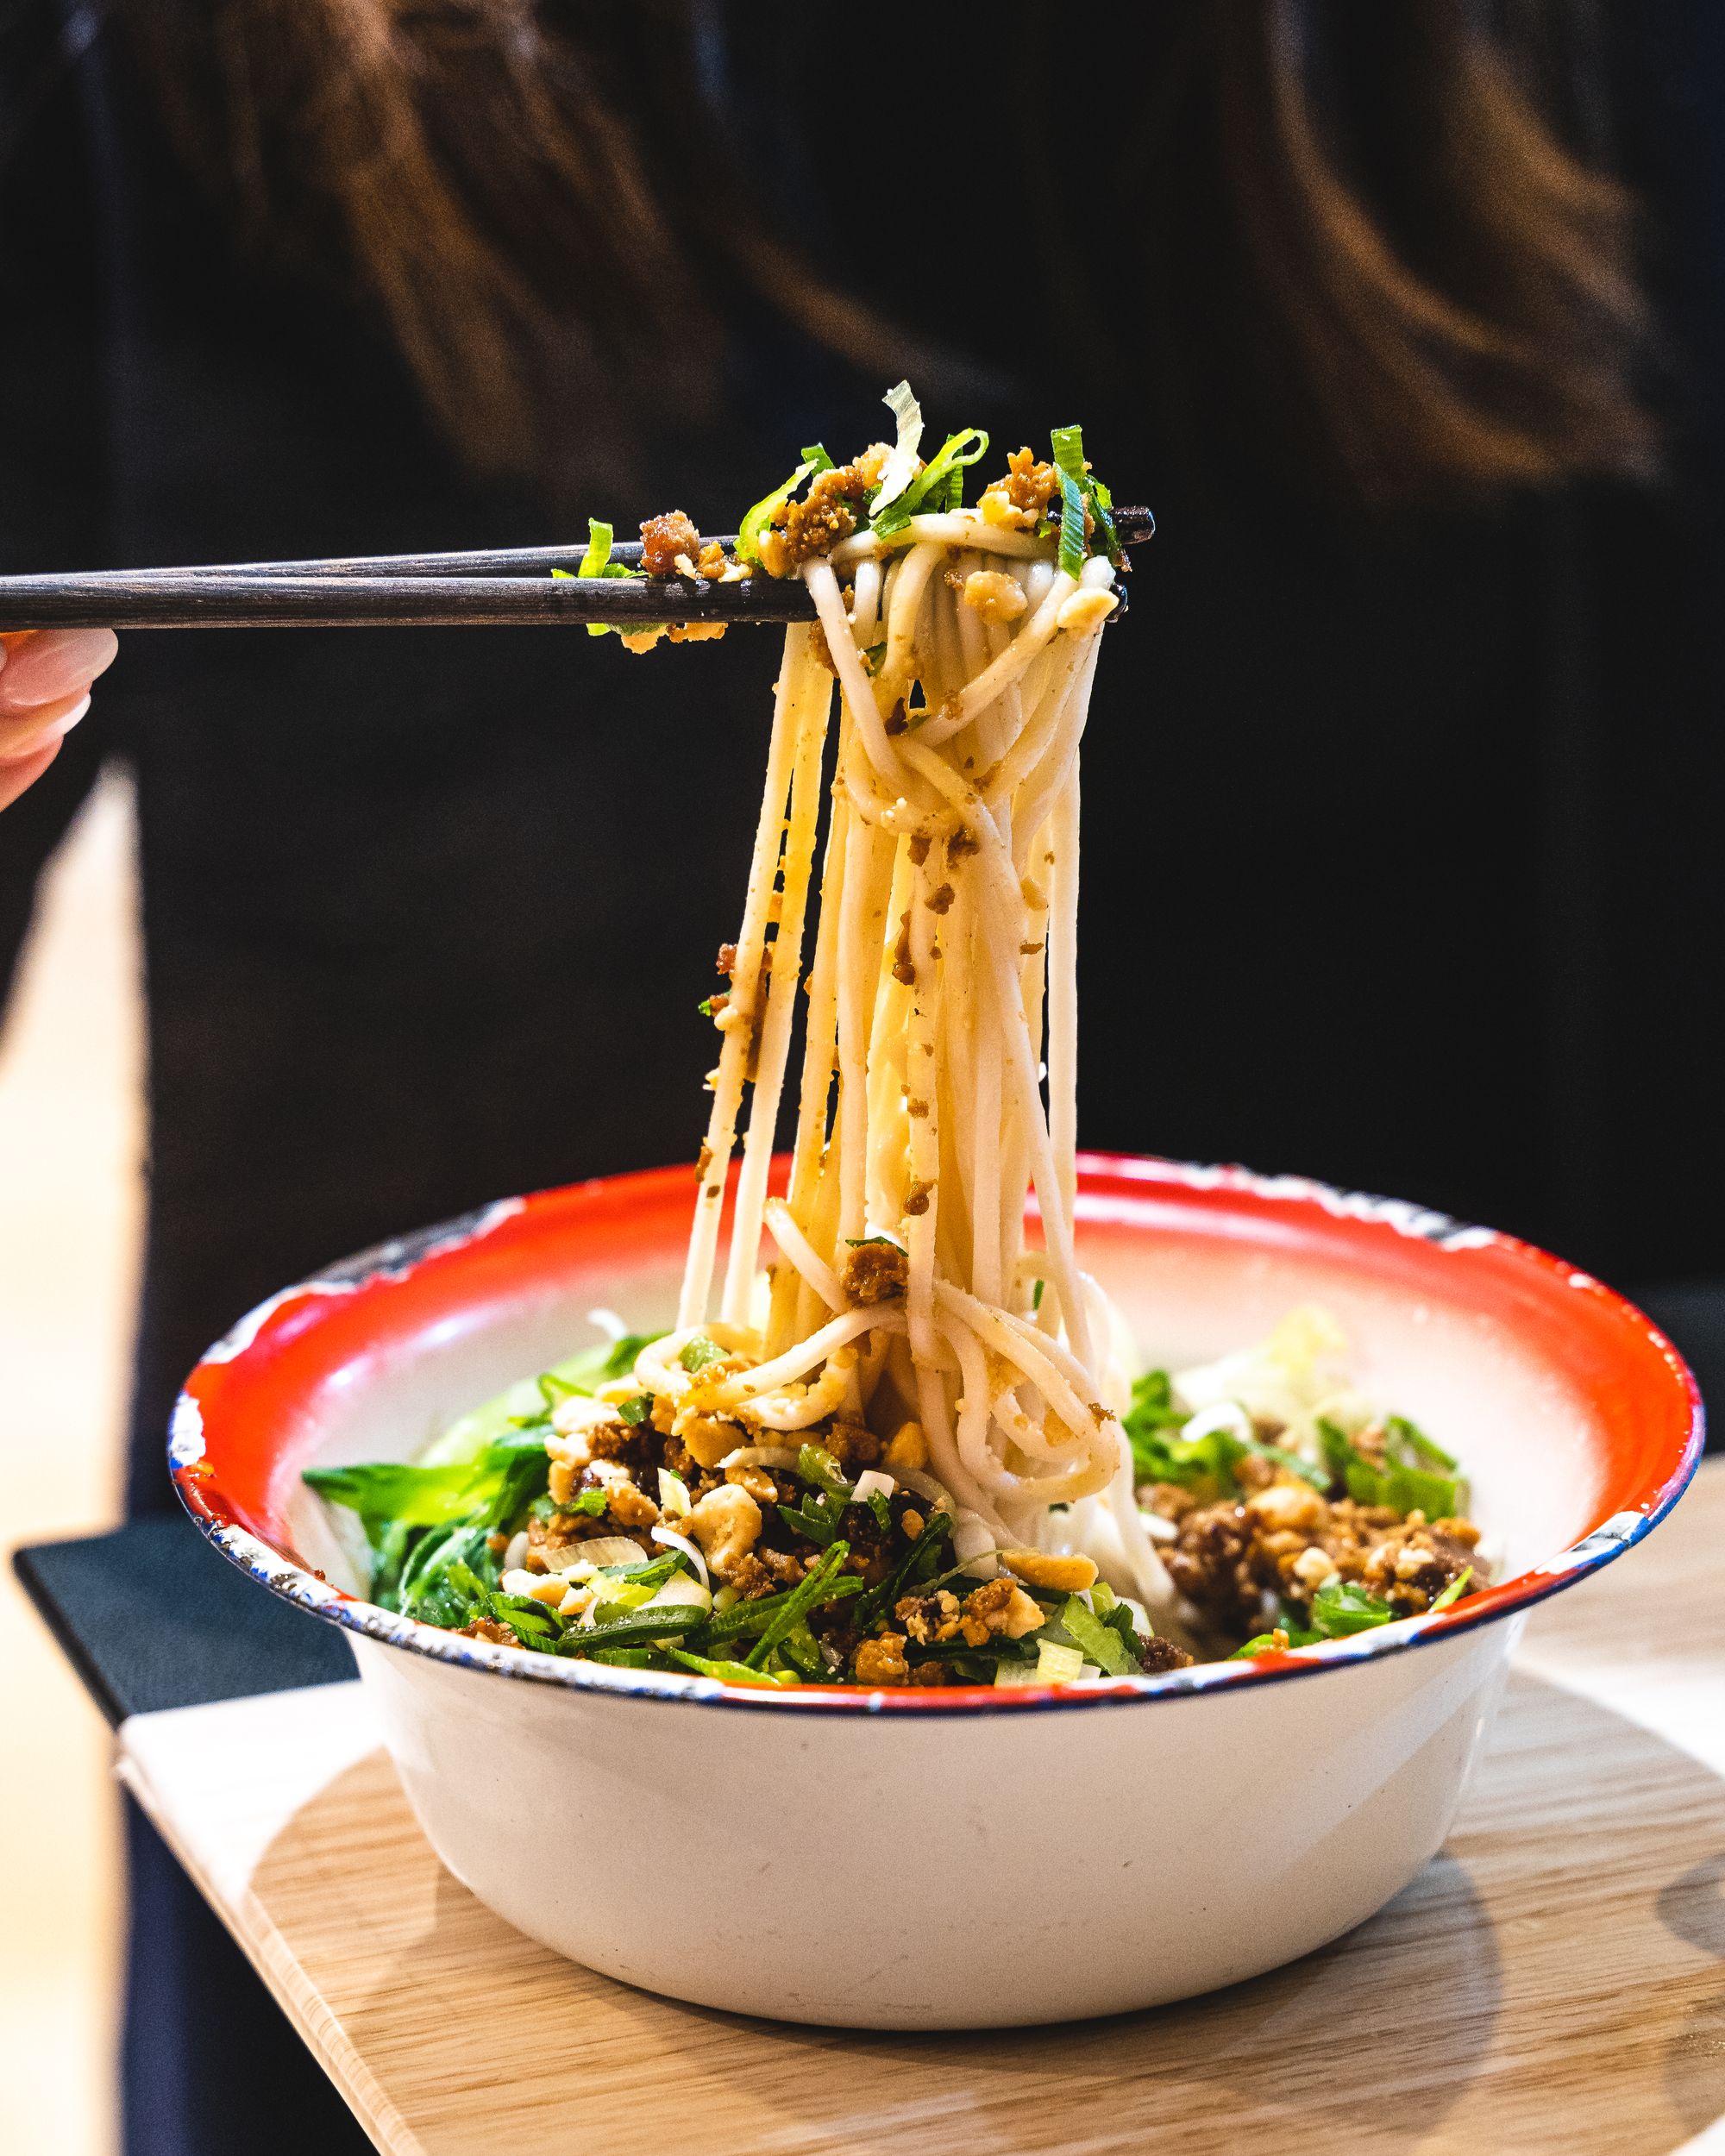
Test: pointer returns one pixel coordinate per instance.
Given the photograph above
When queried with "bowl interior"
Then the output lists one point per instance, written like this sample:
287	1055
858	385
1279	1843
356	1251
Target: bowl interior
1565	1406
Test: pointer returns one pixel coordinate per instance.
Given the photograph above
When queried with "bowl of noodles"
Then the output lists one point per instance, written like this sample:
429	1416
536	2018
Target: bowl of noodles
1046	1850
1112	1562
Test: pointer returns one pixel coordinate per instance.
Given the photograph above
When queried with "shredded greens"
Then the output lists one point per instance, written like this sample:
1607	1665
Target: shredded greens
1415	1471
939	486
1204	1465
906	488
431	1531
757	519
597	561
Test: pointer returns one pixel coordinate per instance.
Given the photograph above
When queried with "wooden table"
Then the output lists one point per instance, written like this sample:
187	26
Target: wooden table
1553	1982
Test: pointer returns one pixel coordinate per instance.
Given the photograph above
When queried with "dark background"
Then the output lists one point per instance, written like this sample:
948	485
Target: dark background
1402	830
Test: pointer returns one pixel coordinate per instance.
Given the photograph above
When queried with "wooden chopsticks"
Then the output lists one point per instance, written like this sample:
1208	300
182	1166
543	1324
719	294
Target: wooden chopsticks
482	588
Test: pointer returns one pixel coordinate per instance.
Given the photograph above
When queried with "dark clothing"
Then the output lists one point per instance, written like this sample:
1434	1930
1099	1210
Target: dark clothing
1403	840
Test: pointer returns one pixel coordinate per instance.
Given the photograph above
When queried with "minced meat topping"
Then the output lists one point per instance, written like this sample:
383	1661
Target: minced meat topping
1236	1561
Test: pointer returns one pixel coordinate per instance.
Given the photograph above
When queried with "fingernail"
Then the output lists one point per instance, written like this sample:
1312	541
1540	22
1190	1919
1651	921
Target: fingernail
56	665
33	736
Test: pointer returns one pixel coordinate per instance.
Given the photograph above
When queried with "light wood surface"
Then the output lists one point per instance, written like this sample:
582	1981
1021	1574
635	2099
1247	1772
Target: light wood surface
1553	1982
71	1212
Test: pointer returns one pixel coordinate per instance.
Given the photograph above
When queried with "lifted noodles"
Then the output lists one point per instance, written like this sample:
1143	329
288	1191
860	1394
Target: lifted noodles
912	1449
944	953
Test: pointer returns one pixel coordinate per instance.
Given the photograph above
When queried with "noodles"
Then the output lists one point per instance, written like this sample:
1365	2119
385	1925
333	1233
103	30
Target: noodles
945	959
911	1452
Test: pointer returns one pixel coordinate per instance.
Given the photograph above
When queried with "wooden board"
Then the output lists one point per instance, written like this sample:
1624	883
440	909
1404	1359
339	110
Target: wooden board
1553	1982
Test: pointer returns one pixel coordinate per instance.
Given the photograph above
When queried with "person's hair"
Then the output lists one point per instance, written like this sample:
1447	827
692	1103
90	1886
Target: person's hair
1397	211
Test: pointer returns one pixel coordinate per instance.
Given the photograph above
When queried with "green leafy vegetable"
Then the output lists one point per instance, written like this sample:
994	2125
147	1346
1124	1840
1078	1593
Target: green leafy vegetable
899	470
556	1390
533	1623
922	1558
385	1491
1152	1415
651	1573
1267	1643
496	1485
437	1582
622	1357
1341	1607
636	1411
1414	1472
1098	1643
698	1352
1161	1454
816	1465
820	1515
815	1591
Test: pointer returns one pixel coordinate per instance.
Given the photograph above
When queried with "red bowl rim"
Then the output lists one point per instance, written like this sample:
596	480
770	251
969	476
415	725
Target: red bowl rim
210	1409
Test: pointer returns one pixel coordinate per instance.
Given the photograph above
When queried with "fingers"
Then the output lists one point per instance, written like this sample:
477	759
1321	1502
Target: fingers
53	664
44	690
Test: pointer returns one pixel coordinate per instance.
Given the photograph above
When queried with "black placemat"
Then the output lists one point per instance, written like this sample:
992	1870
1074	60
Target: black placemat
151	1616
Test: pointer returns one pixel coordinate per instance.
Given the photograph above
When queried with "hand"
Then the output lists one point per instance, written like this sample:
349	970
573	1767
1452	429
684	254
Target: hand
44	678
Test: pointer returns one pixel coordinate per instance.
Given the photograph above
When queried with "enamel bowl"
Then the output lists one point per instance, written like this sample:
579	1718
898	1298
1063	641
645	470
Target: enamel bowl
953	1859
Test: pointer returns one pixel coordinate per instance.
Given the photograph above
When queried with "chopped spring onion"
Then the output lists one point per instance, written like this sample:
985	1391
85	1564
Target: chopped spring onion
673	1493
1413	1472
761	515
1267	1643
1454	1591
597	561
733	1672
922	1556
815	1589
1068	444
938	486
638	1629
741	1618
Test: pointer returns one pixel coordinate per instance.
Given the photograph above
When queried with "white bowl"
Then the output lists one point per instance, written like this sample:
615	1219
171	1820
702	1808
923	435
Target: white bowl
927	1858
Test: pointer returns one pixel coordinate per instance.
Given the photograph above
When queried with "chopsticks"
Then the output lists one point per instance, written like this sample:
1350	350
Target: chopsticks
475	589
